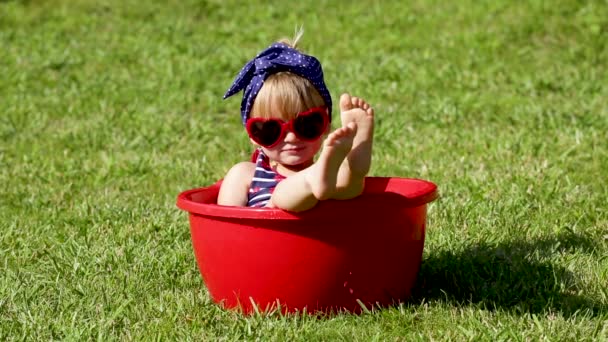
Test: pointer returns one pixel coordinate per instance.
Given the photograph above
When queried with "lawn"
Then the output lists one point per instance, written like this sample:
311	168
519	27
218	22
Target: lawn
109	109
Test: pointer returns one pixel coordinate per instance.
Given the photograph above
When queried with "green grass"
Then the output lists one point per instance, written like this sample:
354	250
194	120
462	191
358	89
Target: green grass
109	109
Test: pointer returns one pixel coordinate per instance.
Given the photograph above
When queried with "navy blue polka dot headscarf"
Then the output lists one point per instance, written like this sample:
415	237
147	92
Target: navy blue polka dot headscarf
278	57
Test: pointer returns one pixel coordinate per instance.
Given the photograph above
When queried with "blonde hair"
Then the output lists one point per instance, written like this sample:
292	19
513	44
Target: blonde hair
285	94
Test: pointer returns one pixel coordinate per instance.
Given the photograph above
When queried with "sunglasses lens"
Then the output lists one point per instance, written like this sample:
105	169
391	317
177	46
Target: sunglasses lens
310	126
265	133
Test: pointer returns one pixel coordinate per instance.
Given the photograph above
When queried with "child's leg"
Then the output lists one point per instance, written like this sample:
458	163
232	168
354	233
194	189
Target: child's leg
355	167
304	189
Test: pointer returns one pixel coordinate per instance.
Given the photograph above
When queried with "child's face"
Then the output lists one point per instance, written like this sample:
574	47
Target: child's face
290	149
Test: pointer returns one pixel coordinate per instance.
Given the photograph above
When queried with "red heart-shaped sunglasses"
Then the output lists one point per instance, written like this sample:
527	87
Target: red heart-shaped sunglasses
307	126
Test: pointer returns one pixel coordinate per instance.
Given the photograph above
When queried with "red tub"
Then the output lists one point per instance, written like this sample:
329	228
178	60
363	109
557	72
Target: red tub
341	255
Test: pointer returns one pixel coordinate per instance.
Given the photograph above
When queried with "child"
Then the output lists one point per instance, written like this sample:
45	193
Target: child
286	110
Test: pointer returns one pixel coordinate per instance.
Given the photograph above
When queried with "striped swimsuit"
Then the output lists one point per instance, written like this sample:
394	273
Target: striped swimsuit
265	179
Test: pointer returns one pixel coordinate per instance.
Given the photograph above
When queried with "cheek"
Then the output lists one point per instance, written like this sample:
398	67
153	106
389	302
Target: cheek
272	152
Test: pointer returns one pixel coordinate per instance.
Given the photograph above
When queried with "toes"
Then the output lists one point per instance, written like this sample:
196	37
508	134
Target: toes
370	111
337	133
358	102
348	102
352	127
363	104
333	136
346	131
329	141
345	102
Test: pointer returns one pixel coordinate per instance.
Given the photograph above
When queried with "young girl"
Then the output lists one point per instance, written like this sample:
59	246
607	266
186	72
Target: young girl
286	110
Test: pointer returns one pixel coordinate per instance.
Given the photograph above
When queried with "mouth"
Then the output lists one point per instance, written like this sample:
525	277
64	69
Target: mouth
293	149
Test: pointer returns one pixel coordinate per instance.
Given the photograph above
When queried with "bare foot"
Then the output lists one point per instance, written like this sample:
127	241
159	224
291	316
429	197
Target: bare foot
357	110
324	174
351	176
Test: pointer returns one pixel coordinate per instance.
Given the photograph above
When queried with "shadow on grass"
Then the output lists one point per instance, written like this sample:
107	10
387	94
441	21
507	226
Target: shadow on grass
512	275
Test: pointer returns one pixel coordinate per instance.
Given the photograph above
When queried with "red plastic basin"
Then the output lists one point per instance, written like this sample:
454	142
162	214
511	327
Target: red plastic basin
337	256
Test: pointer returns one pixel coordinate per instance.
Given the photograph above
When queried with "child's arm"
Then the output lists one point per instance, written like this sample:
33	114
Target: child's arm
236	184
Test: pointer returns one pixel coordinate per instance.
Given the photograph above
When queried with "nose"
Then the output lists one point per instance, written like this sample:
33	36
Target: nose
290	137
